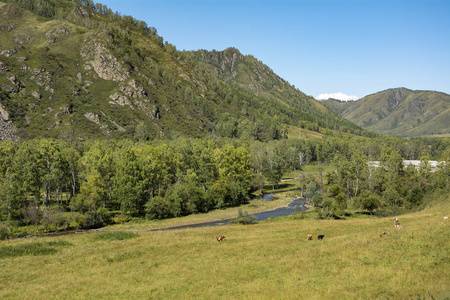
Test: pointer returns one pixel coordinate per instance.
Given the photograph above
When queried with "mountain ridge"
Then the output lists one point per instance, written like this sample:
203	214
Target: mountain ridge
399	112
76	68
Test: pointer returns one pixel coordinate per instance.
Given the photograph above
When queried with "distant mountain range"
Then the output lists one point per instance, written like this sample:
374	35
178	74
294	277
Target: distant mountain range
77	69
398	112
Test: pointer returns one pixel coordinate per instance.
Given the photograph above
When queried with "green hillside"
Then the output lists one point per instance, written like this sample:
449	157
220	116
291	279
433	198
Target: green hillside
76	69
337	105
399	112
251	76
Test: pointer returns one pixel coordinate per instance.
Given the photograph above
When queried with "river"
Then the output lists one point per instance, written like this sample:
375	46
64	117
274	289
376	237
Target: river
298	205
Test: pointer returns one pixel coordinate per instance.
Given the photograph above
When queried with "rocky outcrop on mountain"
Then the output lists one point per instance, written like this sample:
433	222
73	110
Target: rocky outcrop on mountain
4	115
58	32
54	125
9	52
92	117
36	95
66	110
12	84
11	10
132	89
3	68
8	131
80	12
224	60
22	38
7	128
119	100
98	58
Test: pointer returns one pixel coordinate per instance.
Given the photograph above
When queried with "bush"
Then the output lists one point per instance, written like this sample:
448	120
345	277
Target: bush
243	218
158	208
120	219
4	232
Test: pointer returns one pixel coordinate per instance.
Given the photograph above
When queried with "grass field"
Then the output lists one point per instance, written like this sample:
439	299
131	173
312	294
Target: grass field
268	260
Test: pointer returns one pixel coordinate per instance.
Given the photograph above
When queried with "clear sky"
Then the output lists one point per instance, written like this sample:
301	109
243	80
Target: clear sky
320	46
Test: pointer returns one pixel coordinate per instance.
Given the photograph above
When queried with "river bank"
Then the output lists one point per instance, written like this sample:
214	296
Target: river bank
276	205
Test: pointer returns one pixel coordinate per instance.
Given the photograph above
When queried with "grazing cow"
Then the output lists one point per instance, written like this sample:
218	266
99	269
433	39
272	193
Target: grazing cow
445	218
320	237
220	238
384	233
398	226
309	237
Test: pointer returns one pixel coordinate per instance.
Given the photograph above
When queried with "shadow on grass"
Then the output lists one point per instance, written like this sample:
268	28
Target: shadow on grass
115	236
48	248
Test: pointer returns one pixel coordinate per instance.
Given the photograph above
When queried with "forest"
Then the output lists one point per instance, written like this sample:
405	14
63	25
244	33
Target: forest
53	185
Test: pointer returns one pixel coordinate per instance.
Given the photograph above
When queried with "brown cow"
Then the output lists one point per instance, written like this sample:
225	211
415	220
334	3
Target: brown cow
220	238
384	233
309	237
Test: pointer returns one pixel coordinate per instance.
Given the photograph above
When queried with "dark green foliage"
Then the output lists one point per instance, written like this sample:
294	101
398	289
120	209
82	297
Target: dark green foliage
115	236
415	196
4	232
159	208
44	8
44	248
370	201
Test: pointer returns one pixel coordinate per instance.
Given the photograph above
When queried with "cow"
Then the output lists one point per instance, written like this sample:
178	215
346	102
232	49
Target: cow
320	237
220	238
445	218
384	233
398	226
309	237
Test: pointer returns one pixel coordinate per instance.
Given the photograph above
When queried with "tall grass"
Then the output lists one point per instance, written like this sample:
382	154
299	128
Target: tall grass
269	260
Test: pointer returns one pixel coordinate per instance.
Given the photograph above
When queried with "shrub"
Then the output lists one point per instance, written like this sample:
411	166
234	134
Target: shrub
4	232
120	219
243	218
158	208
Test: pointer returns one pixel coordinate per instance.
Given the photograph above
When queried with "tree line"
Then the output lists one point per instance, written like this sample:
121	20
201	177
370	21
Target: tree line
64	184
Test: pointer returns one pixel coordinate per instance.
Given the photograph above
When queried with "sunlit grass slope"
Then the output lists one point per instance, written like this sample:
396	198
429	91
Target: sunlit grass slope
270	260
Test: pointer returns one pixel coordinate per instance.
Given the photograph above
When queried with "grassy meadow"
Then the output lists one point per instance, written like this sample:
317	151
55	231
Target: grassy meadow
267	260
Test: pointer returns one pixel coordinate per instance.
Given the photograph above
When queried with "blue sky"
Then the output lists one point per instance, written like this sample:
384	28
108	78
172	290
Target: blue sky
320	46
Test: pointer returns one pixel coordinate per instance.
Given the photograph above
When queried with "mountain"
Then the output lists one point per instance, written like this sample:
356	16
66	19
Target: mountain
337	105
399	112
77	69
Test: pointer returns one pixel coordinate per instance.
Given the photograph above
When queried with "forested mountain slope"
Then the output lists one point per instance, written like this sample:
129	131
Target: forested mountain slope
399	112
253	77
76	69
338	106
